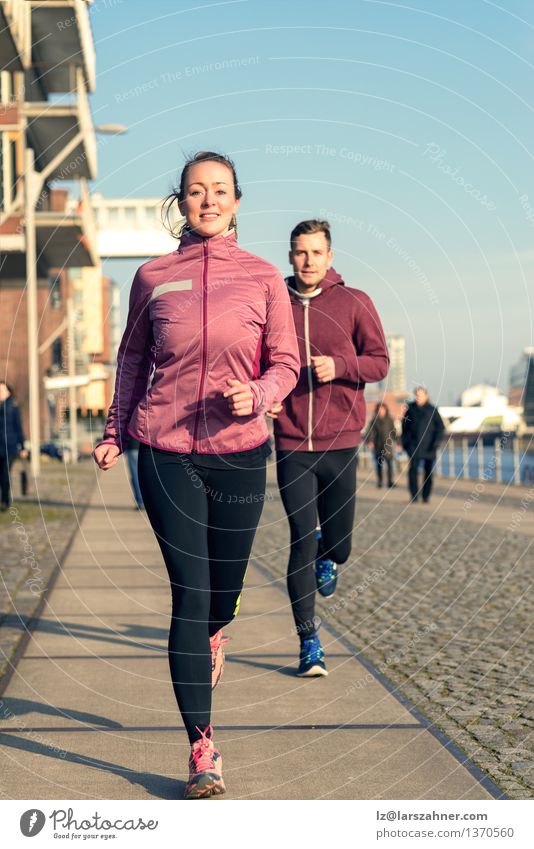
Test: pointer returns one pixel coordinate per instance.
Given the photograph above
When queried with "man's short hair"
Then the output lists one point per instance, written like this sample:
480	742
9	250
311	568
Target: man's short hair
313	225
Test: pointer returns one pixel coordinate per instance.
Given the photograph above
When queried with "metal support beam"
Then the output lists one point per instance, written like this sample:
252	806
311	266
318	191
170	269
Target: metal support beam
33	184
73	407
53	336
31	308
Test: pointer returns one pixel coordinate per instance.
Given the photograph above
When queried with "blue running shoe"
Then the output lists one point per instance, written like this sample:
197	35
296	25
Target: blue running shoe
311	659
326	576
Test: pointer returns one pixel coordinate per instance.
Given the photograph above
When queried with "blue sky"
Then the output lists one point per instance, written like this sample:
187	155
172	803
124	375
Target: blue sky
408	123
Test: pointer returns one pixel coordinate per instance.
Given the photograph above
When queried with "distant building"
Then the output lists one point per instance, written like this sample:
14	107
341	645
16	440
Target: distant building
396	379
395	382
482	395
521	390
96	300
483	409
46	52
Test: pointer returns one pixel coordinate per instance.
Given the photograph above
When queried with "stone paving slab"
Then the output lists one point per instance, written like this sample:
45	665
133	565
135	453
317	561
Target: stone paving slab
96	578
79	636
112	599
109	560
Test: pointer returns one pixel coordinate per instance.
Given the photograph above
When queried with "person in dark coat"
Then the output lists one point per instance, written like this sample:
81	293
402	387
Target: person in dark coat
11	440
422	432
384	438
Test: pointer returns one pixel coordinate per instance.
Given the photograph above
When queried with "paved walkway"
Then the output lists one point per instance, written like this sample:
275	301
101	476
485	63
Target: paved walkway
89	711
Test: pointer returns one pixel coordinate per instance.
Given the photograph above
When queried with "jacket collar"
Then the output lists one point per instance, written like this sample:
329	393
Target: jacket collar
330	279
190	239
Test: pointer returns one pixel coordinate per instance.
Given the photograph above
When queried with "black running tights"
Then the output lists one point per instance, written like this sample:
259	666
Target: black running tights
315	484
205	521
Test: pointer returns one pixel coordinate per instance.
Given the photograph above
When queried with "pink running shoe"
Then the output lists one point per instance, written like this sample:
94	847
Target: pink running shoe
205	768
217	657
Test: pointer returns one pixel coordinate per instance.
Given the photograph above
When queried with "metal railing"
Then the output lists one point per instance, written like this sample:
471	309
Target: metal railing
505	459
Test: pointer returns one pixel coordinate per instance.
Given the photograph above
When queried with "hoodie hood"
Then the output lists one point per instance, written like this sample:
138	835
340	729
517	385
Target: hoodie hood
330	279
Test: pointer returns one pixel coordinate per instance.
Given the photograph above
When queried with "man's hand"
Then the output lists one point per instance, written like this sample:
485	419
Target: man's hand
276	408
23	453
106	455
324	368
240	397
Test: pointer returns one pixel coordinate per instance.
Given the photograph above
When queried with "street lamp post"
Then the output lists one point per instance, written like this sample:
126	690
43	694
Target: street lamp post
33	184
32	310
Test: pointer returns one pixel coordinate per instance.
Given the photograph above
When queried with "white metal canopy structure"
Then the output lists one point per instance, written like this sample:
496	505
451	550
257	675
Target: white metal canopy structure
132	228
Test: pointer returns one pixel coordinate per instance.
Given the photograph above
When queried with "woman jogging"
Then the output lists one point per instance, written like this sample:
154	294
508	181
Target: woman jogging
208	347
383	435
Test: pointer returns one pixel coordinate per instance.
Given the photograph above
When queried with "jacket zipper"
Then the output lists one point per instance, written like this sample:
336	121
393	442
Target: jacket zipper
204	342
306	304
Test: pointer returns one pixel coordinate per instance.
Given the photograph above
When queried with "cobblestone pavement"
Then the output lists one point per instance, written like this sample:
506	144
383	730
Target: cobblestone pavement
443	606
34	533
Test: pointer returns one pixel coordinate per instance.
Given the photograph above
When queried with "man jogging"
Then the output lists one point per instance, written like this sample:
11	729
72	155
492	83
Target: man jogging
318	426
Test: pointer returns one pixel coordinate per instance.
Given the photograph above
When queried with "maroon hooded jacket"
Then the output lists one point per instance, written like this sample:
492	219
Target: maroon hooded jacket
342	323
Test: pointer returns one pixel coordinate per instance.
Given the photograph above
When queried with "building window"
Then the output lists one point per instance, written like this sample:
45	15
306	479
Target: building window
14	178
57	353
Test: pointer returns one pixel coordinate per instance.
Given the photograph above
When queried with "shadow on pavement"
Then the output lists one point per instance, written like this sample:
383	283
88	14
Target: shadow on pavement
91	632
18	707
159	786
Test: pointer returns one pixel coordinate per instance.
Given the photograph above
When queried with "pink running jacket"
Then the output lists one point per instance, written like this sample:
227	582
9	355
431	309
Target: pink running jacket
197	316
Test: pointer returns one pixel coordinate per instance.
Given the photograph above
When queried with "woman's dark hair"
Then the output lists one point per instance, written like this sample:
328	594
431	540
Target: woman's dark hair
378	407
178	192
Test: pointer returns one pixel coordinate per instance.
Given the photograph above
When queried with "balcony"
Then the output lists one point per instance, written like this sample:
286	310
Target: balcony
14	35
63	41
66	236
52	125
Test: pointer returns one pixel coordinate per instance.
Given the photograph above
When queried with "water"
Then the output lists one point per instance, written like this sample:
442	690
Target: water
453	462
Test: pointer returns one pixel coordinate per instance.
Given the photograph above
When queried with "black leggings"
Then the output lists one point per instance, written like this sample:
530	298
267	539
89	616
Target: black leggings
413	475
382	460
315	483
205	521
5	478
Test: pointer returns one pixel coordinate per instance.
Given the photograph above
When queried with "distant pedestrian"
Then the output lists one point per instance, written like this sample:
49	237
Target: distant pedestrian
132	457
383	435
422	432
11	440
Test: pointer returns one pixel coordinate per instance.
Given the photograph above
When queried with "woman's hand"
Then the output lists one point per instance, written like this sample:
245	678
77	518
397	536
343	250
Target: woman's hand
106	455
240	397
276	408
